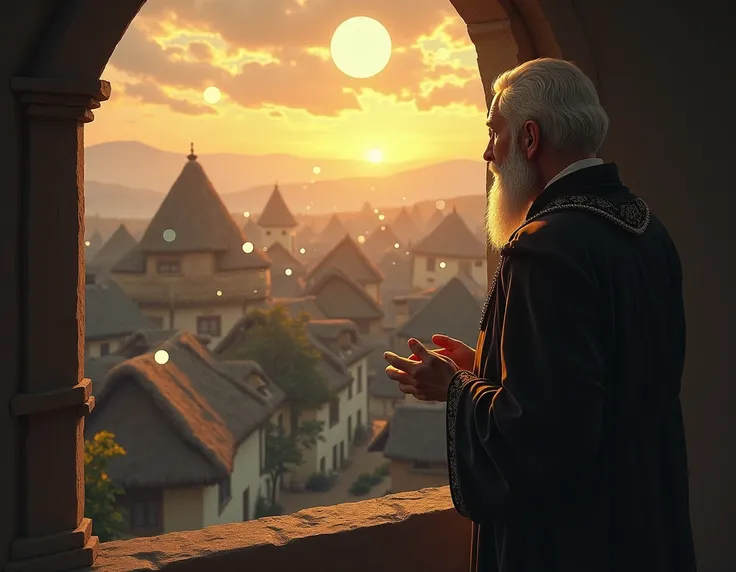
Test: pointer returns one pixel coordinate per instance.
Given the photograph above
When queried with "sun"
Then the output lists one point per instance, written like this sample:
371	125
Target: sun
212	95
375	156
361	47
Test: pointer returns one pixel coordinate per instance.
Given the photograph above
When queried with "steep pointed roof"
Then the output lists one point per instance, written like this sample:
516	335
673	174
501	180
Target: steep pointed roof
451	238
405	227
95	243
253	232
433	221
305	235
118	245
281	258
366	209
339	296
193	218
347	257
334	230
276	214
453	310
381	240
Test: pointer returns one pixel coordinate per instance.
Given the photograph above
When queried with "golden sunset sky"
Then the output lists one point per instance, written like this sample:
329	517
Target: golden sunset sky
281	91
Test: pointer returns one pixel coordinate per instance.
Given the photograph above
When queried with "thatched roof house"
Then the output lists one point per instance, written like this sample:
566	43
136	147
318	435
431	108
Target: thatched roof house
181	421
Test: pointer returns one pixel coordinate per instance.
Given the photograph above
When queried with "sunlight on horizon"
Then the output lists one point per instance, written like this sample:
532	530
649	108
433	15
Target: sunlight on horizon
375	156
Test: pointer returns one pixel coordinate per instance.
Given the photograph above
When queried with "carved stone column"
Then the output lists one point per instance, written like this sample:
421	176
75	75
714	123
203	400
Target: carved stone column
54	397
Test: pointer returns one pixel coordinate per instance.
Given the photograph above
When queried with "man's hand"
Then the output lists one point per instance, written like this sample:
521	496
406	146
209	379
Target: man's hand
427	377
462	354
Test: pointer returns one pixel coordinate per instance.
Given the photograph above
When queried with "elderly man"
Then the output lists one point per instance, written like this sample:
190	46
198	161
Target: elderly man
564	426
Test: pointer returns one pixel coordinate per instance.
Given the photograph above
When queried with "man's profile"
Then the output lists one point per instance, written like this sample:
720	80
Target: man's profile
565	437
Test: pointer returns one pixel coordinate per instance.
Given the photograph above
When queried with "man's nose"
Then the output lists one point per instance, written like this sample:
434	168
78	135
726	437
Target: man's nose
488	154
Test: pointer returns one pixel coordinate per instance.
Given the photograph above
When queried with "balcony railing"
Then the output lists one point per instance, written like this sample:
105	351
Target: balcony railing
417	530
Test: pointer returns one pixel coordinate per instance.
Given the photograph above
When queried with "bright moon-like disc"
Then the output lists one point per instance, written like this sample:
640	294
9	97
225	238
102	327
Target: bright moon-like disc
212	95
361	47
375	156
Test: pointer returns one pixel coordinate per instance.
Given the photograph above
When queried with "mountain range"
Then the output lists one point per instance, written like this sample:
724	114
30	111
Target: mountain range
130	180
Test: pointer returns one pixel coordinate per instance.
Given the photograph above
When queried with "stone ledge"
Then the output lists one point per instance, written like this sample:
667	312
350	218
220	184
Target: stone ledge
418	530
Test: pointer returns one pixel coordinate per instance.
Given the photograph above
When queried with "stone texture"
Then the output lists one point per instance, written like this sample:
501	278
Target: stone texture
418	530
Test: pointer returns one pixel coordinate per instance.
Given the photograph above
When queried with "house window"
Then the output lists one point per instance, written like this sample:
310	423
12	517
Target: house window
283	233
280	422
334	457
360	379
334	412
145	511
169	266
268	233
157	322
350	391
209	326
478	263
104	349
466	267
342	454
359	416
350	429
323	465
431	262
262	440
225	494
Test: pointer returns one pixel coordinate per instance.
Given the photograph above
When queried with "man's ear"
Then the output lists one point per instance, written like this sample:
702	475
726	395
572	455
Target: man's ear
531	142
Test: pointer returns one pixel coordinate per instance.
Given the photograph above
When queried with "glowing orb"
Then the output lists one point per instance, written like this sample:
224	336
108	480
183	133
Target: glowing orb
212	95
219	292
440	204
443	264
248	247
381	217
87	243
316	170
169	235
396	245
361	47
246	214
302	251
375	156
161	357
361	239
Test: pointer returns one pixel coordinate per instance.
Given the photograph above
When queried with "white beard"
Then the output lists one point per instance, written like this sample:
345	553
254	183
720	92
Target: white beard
513	190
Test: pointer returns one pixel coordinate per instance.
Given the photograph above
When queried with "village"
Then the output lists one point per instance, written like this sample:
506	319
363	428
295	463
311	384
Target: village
177	310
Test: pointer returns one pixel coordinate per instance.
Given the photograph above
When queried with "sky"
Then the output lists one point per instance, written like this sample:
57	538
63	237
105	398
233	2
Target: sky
281	91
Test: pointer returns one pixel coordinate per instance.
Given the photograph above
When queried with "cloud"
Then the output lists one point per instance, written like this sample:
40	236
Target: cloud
275	53
150	93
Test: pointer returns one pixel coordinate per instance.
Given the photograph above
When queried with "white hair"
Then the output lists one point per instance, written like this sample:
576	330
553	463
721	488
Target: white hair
557	96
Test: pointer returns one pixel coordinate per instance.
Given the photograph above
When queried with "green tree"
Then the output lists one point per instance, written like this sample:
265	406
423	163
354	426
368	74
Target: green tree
100	492
280	345
286	452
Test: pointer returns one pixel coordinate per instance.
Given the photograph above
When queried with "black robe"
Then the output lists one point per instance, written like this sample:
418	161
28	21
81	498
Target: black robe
566	445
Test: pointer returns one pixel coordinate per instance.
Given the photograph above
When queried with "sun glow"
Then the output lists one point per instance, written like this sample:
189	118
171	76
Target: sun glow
375	156
212	95
361	47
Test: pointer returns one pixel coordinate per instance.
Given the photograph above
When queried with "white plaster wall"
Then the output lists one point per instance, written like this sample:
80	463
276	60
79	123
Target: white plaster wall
422	278
246	474
183	509
284	236
359	402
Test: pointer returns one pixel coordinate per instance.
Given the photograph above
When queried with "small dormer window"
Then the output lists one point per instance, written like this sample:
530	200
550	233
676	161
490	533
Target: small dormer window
169	266
283	233
431	263
479	263
268	233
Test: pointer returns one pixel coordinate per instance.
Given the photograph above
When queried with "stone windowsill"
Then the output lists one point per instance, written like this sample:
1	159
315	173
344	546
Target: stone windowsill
418	530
